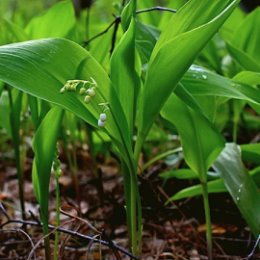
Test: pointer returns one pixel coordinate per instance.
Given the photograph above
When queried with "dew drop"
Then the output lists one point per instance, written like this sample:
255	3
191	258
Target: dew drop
237	198
204	76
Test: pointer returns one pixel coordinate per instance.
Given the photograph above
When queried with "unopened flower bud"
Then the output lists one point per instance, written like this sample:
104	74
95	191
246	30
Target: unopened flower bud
103	117
62	90
82	91
101	123
87	99
91	92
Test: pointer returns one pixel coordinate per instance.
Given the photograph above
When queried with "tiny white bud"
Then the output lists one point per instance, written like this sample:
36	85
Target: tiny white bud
91	92
103	117
82	91
101	123
87	99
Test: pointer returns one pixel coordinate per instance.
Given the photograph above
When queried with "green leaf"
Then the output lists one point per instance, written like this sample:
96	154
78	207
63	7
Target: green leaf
55	22
128	14
44	147
240	185
185	174
211	56
202	82
248	77
247	62
215	186
11	33
251	152
195	23
146	37
182	174
35	68
228	29
123	74
247	36
201	142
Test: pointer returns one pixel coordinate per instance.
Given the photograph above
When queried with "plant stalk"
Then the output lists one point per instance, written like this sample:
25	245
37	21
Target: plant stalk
57	172
47	247
15	127
207	217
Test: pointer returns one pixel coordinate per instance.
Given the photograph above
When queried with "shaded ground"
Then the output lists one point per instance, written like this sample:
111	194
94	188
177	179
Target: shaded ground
175	231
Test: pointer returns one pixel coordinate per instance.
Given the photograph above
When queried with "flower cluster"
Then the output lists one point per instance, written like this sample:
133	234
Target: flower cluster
88	88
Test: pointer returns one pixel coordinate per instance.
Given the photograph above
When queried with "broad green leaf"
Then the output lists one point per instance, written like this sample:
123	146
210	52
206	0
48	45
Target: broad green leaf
193	15
240	185
128	14
173	54
201	82
180	174
11	33
211	55
42	67
146	37
123	74
247	35
243	50
248	77
247	62
44	147
215	186
200	141
55	22
185	174
251	152
228	29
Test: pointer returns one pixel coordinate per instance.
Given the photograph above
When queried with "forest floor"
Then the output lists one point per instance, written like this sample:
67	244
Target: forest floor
173	231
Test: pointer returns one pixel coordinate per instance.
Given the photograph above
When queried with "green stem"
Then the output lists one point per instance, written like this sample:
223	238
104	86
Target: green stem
133	209
207	217
57	233
47	247
133	216
15	127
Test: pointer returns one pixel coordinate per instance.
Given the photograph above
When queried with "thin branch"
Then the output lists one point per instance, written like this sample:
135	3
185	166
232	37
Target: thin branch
85	43
80	219
4	211
23	232
156	8
72	233
117	21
